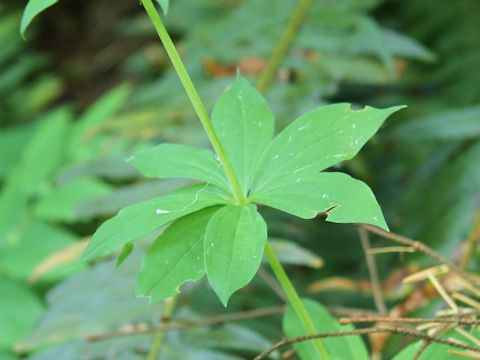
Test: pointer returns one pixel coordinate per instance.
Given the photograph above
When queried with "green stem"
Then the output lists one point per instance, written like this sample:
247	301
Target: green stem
160	335
194	98
294	299
201	111
283	45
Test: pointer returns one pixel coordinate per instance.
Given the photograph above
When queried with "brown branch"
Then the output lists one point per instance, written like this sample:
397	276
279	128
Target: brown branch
372	270
423	248
178	324
392	330
383	319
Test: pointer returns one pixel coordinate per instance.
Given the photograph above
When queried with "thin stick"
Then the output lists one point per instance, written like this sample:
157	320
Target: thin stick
423	248
175	324
442	292
384	319
424	274
372	269
391	249
375	330
464	354
468	336
466	300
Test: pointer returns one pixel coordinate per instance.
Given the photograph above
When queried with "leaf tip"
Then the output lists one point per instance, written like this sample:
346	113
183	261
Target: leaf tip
224	300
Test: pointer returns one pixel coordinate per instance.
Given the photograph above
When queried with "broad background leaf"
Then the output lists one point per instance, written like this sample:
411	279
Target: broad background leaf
77	309
20	309
61	203
451	125
290	252
234	245
346	347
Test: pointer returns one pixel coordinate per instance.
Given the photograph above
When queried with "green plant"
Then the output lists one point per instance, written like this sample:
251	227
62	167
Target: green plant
217	229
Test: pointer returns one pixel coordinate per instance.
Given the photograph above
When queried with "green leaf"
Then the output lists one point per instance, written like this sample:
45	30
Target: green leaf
61	203
289	252
124	254
180	161
164	4
33	8
44	152
140	219
80	141
244	125
36	241
96	300
318	140
344	198
234	245
175	257
436	350
447	125
20	309
345	347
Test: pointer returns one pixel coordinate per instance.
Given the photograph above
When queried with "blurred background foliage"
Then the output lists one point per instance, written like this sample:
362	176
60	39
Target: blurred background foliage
92	84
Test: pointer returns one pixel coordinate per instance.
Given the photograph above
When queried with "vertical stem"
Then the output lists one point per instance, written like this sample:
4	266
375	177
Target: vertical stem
283	45
372	270
294	299
194	98
160	334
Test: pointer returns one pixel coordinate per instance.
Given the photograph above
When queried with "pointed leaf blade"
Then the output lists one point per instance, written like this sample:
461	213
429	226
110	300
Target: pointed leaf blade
244	124
32	10
318	140
345	199
234	245
140	219
180	161
175	257
164	4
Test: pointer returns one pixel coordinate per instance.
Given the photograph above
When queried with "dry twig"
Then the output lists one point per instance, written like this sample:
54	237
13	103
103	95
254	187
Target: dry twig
372	269
384	319
423	248
175	324
393	330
